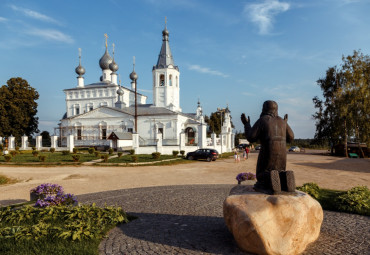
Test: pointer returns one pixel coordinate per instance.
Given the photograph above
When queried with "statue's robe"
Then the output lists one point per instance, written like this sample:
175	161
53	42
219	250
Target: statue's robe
273	132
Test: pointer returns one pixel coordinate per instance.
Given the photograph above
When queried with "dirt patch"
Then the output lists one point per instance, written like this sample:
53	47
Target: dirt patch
74	176
326	171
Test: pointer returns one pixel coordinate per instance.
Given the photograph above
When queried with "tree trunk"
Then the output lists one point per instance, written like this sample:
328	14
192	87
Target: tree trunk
345	139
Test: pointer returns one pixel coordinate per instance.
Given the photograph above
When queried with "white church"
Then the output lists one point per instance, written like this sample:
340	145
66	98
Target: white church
106	114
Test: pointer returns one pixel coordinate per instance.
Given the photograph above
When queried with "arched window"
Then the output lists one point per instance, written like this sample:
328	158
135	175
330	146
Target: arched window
77	109
170	79
161	80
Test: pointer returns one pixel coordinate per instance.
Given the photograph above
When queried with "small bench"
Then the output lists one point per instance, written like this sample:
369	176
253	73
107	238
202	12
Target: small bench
352	155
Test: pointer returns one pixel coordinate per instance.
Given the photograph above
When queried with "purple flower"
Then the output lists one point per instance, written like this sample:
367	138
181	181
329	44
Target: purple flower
245	176
52	195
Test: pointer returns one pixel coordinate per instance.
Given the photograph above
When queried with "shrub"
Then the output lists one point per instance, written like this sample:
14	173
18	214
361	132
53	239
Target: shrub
110	151
52	150
356	200
33	148
134	158
7	158
311	189
1	147
85	222
35	153
91	150
42	158
156	155
13	153
4	179
76	157
75	150
175	153
65	152
17	148
182	152
104	157
132	152
97	154
119	154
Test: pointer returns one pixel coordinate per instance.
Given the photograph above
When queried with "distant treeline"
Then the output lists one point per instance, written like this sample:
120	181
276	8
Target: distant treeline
302	143
310	143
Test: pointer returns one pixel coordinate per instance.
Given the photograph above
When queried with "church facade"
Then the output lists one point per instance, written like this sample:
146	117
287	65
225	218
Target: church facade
101	113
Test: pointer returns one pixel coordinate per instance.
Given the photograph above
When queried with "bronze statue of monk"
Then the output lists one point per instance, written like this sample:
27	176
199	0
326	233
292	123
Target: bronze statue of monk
273	132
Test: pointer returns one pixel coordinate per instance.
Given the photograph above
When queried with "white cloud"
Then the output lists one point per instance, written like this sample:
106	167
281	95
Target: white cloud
2	19
34	14
50	34
145	90
207	70
263	14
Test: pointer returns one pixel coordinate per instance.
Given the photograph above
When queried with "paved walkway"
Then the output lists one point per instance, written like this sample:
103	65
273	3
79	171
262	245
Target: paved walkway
188	220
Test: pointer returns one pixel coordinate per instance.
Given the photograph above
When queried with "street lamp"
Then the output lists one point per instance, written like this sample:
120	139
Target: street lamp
220	111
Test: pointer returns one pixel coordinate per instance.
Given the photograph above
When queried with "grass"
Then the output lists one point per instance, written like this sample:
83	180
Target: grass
5	180
56	157
327	198
140	158
49	246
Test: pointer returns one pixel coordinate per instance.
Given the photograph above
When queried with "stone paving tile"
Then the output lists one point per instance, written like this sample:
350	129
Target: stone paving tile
188	220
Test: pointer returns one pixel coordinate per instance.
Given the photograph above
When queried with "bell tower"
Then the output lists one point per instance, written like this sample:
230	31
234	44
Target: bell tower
166	78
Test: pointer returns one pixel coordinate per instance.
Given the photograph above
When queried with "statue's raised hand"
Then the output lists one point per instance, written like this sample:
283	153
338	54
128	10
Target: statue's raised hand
286	117
245	121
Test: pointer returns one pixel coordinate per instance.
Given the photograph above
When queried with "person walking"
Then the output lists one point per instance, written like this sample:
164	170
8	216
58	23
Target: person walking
247	152
235	155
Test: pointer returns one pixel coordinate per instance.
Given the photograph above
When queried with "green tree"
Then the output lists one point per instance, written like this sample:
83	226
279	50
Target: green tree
214	122
46	139
344	111
18	108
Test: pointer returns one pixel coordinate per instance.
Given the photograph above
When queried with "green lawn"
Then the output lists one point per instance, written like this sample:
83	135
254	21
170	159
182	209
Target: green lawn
27	157
140	158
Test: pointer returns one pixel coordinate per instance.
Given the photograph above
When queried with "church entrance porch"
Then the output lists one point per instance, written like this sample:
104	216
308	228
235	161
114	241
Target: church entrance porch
190	136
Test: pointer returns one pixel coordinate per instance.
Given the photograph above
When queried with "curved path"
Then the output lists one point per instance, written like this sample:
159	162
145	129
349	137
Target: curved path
188	220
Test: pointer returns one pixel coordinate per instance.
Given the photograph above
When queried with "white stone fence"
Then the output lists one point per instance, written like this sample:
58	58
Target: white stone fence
223	144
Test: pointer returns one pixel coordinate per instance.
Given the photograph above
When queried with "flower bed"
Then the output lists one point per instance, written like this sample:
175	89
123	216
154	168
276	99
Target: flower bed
48	194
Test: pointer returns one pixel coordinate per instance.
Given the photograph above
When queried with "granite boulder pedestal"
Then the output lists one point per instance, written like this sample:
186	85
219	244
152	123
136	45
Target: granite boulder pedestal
272	224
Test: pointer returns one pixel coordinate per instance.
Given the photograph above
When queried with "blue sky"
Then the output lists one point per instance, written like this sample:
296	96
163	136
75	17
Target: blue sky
235	53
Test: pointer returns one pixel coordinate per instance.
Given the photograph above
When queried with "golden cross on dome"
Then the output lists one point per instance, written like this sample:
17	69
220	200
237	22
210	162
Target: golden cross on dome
165	21
79	54
113	48
106	40
134	62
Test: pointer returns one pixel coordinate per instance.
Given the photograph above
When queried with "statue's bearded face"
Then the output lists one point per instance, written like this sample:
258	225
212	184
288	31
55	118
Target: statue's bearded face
270	108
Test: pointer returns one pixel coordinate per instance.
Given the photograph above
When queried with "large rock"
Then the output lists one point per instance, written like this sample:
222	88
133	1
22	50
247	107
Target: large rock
272	224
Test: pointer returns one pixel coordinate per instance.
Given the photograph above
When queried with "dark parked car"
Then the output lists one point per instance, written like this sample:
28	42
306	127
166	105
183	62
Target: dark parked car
258	147
242	146
207	154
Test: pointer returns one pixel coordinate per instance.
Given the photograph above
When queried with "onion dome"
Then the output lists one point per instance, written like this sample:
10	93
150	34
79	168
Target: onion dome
80	70
120	91
105	60
133	75
165	34
113	66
